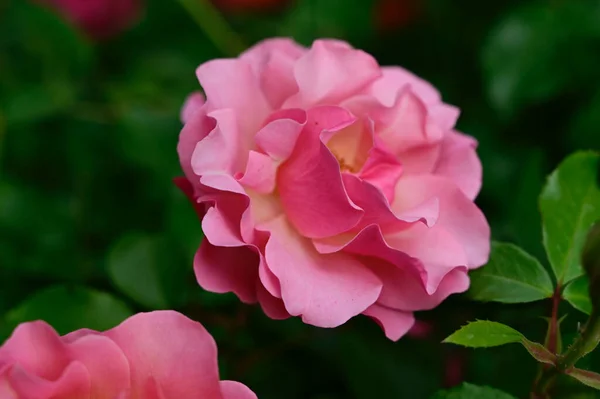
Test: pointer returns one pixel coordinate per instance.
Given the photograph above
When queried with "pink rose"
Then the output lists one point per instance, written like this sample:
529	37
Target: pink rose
330	186
99	19
149	356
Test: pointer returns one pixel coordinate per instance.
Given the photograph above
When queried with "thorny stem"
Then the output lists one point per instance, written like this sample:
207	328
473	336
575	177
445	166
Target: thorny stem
584	344
214	26
546	375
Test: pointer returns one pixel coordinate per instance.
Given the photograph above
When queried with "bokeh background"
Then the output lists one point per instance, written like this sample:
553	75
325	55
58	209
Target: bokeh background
92	228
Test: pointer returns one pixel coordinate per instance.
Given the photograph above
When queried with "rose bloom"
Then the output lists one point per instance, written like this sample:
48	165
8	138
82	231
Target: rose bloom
158	355
99	19
329	186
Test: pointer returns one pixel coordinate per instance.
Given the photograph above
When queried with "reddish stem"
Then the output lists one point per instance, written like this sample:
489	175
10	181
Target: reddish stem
553	328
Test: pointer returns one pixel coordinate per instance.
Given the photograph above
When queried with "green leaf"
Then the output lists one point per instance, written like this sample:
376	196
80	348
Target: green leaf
487	334
511	276
586	377
145	268
71	308
578	295
570	204
470	391
34	35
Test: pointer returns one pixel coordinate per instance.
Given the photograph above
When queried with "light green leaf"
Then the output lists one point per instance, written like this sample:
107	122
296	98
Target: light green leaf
578	295
487	334
71	308
586	377
511	276
570	204
470	391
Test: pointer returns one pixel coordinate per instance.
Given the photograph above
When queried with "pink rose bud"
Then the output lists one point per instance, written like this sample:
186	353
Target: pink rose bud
99	19
149	356
329	186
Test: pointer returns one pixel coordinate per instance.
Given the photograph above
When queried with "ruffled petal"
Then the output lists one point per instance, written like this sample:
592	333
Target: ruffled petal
222	269
176	352
394	323
331	71
459	162
310	183
326	290
231	83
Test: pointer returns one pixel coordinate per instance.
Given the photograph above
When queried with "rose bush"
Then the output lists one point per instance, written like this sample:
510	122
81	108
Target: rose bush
329	186
99	19
154	355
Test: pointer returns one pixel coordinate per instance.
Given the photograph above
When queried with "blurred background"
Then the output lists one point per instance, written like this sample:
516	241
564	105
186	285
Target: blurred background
92	228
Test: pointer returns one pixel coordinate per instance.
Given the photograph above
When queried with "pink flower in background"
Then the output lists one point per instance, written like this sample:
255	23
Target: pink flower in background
99	19
158	355
329	186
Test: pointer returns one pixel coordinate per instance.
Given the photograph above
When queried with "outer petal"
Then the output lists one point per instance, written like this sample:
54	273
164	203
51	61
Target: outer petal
236	390
273	64
394	79
326	290
37	348
222	269
459	218
330	72
224	150
73	383
310	184
405	291
193	103
197	126
231	83
459	162
178	353
271	305
394	323
107	365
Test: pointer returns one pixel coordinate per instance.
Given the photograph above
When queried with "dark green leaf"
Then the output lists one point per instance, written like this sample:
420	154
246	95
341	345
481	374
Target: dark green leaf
487	334
511	276
149	270
134	266
570	204
586	377
470	391
578	295
71	308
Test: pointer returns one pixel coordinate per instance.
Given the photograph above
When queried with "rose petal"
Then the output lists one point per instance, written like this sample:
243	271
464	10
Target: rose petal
192	104
326	290
222	269
394	323
329	72
459	218
310	184
160	342
231	83
459	162
236	390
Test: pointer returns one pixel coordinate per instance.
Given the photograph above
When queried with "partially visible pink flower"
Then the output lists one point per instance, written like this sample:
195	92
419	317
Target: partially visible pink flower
157	355
99	19
329	186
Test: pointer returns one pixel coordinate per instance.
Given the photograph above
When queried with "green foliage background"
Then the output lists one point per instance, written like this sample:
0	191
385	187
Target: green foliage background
92	228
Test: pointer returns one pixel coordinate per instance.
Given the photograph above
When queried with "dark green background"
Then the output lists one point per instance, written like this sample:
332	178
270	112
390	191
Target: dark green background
92	228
